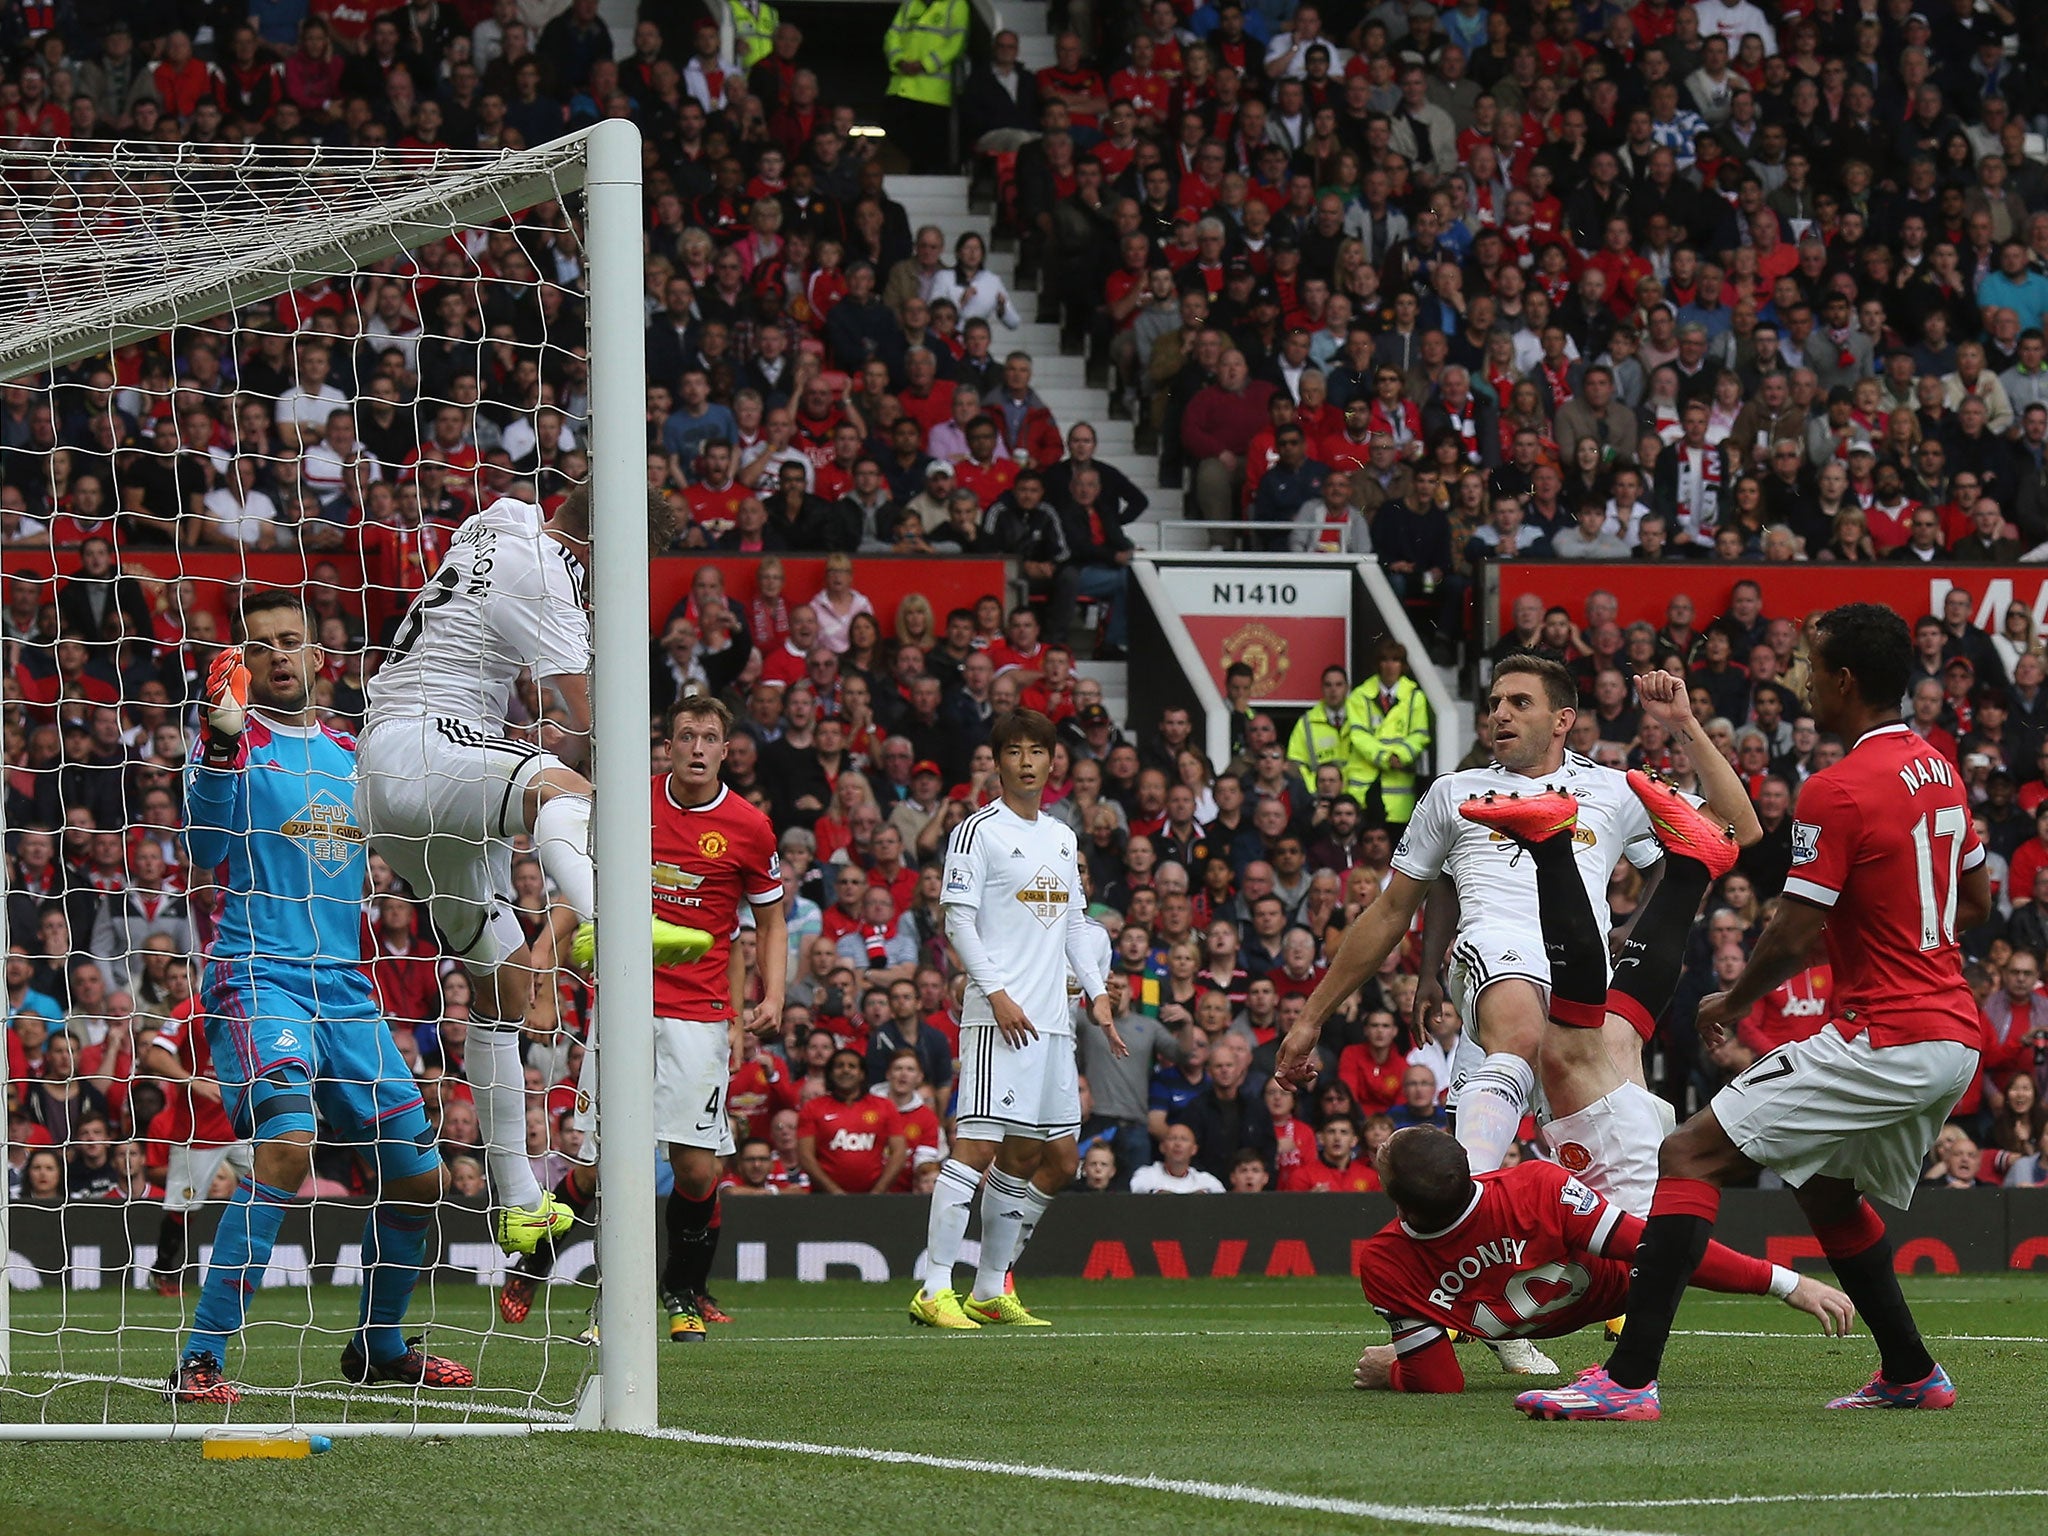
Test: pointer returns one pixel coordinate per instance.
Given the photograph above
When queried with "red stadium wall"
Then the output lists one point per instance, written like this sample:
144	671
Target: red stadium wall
1790	590
886	579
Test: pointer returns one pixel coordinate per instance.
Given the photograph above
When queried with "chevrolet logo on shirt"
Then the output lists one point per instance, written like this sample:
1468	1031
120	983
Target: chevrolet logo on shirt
326	829
1045	896
669	877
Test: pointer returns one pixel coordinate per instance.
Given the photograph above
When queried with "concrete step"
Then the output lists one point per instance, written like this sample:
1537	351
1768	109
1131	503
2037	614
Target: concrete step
1026	18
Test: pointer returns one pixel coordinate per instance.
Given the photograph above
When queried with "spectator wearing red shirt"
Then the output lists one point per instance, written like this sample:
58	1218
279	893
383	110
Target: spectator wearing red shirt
1335	1169
2031	856
1372	1070
1026	422
926	398
715	497
1217	432
923	1137
850	1142
988	470
1794	1010
1068	79
843	916
404	967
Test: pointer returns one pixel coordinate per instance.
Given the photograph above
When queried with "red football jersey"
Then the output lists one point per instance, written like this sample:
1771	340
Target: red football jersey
1793	1011
758	1091
1313	1176
195	1119
707	859
1880	840
851	1140
920	1127
1536	1255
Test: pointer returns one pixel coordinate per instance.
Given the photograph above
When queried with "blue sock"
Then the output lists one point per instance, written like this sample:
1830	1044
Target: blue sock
241	1252
394	1242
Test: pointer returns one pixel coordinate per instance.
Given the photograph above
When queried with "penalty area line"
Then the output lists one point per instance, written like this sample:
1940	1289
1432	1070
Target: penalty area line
1718	1501
1221	1493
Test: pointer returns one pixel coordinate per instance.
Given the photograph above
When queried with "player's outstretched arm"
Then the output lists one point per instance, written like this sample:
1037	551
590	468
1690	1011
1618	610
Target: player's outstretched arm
1723	1269
1667	700
1365	947
1782	952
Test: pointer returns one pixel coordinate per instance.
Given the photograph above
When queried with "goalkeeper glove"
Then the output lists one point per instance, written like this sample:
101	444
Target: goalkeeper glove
227	708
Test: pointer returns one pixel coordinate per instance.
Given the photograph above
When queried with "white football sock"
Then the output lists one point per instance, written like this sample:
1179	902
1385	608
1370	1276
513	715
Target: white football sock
1035	1202
497	1081
1004	1201
1491	1107
952	1198
561	837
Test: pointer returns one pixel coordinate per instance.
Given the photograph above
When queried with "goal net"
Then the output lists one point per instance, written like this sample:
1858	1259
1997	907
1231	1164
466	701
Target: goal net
228	370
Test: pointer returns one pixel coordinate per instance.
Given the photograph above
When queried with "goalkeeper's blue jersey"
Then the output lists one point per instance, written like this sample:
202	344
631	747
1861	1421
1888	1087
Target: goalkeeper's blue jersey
279	833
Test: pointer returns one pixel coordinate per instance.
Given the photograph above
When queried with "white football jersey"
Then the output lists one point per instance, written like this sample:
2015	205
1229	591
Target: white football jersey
1022	882
508	597
1496	885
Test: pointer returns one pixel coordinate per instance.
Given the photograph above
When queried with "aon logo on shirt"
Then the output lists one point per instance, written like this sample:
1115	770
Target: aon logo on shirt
1805	1007
851	1141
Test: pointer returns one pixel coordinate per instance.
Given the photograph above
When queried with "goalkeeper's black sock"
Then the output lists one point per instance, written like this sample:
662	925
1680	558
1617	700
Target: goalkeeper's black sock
1860	1251
689	1244
1674	1241
1653	955
1571	939
170	1245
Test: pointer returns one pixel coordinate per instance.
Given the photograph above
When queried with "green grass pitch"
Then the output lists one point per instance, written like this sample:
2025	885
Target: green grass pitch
1236	1395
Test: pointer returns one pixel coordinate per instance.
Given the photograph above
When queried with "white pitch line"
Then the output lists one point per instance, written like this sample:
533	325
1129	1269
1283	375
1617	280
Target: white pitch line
1565	1505
1222	1493
155	1386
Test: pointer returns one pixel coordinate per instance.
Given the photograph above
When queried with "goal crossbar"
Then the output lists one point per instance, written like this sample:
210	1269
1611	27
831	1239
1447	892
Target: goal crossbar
60	305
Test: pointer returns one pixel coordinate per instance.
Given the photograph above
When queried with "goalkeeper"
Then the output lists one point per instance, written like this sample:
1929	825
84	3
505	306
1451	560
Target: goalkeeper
290	1016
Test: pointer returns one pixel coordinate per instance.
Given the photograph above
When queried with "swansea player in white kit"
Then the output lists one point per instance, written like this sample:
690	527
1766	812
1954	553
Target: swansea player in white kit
1501	964
441	788
1015	915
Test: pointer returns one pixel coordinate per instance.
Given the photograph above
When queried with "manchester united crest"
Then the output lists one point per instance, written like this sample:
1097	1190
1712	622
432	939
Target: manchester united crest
711	844
1264	651
1574	1158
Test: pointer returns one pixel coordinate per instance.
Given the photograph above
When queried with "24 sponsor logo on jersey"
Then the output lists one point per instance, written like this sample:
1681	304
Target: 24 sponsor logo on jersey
1045	897
327	830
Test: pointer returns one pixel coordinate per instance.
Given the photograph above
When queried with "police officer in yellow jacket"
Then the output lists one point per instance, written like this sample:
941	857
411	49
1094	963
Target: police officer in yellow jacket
753	32
1389	729
1321	735
925	39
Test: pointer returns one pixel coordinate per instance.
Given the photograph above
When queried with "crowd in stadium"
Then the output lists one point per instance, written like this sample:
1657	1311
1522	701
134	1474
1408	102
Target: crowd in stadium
1451	285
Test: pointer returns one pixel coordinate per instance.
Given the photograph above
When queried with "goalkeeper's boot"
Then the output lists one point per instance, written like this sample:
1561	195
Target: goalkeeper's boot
1934	1390
673	944
1003	1308
521	1231
1682	827
414	1368
1519	1357
709	1309
685	1322
167	1283
515	1299
1595	1395
1532	818
940	1311
198	1379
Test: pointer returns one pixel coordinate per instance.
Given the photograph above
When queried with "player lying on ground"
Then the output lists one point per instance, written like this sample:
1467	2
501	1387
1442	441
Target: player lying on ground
291	1020
1500	971
441	792
713	853
1886	870
1525	1251
1015	915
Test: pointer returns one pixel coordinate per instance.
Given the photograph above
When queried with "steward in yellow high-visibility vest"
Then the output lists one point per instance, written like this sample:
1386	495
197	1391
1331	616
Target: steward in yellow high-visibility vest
753	31
1389	730
924	41
1321	735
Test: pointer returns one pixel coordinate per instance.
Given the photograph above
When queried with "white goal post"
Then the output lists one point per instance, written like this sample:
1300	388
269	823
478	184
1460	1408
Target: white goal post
104	245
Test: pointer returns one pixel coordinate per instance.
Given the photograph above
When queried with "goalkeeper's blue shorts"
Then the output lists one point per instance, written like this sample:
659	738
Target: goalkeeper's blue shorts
284	1041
